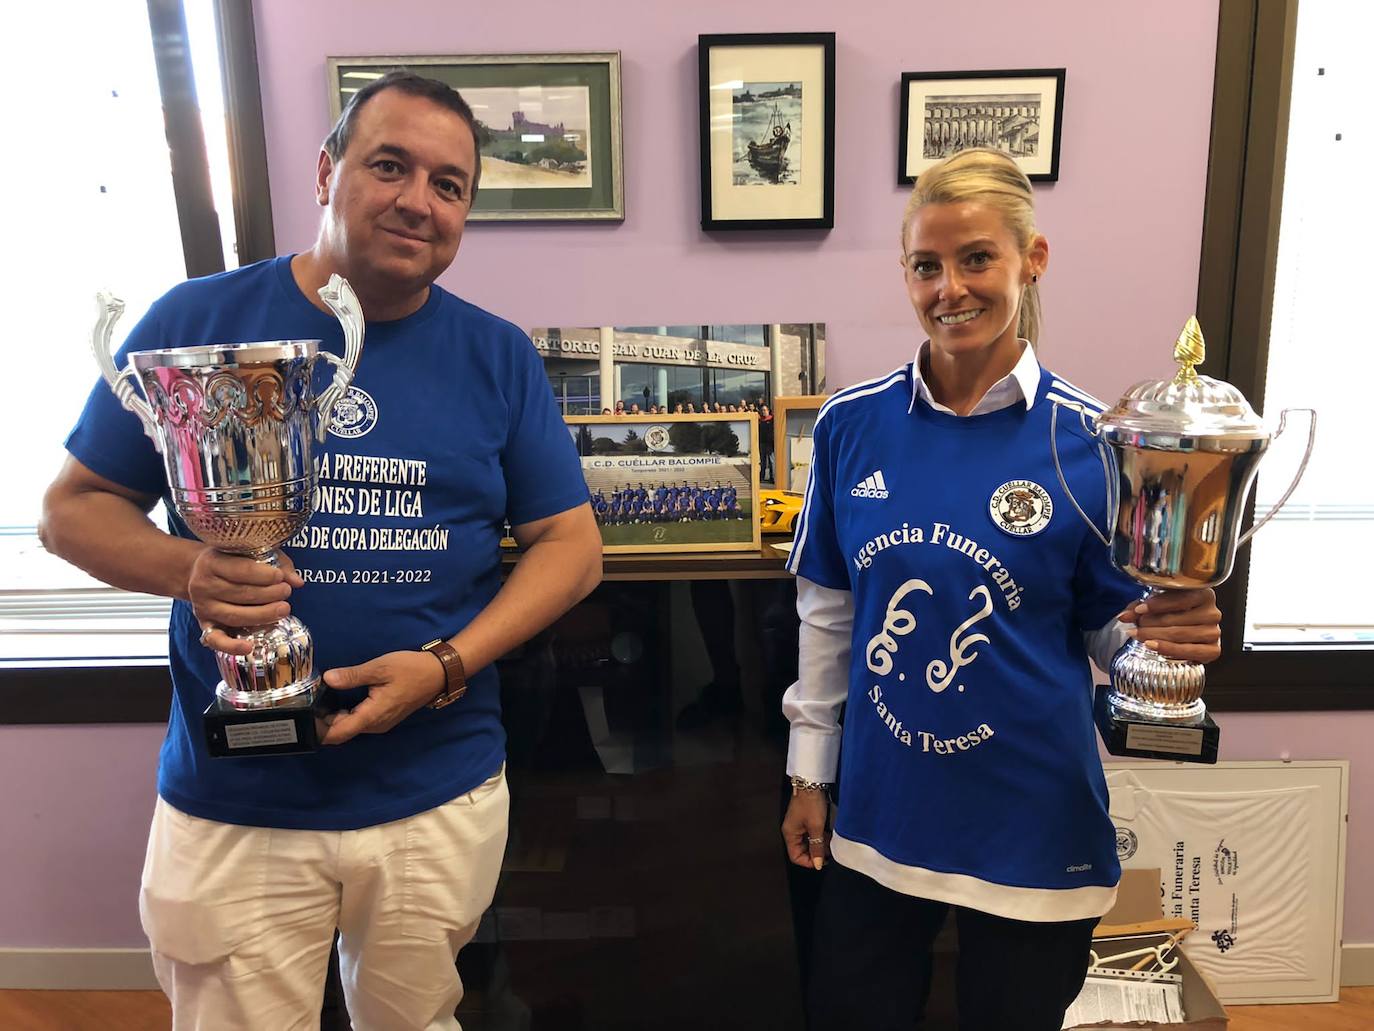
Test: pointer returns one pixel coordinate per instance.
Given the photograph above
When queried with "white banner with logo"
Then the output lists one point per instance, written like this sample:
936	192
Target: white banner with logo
1249	853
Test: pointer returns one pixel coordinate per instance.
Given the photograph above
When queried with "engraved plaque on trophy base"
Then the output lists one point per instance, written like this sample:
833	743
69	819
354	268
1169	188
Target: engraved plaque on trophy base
1139	739
284	730
236	425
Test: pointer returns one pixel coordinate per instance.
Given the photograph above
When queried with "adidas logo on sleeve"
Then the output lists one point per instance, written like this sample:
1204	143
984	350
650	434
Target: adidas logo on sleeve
872	486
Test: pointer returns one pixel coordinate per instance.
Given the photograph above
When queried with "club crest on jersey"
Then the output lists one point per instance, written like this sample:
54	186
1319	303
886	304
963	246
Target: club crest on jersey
1021	507
354	414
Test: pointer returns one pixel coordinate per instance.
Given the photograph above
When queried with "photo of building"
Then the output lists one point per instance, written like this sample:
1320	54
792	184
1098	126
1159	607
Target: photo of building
667	366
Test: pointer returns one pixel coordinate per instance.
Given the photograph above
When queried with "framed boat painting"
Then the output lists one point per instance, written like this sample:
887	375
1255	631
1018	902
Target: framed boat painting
549	127
1016	112
767	130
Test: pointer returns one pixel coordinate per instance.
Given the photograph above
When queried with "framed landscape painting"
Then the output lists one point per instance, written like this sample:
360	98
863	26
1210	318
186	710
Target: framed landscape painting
767	130
548	125
1016	112
671	482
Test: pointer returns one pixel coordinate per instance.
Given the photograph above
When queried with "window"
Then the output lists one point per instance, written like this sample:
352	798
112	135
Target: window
1317	358
729	387
754	334
115	130
576	394
1283	237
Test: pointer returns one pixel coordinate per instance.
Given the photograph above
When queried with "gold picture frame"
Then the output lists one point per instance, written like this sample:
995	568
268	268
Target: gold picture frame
671	483
794	418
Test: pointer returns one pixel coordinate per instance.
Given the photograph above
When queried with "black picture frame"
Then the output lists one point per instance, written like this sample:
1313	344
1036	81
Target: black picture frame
788	188
1016	88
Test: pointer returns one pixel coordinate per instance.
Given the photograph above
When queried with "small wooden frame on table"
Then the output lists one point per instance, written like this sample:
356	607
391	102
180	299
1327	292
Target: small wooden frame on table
1016	112
671	483
549	127
794	419
767	130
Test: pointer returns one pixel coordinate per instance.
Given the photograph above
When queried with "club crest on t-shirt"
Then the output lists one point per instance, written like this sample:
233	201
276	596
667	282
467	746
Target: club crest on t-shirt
354	414
1021	507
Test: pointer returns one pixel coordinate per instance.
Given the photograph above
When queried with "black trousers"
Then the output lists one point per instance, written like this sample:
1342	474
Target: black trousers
872	945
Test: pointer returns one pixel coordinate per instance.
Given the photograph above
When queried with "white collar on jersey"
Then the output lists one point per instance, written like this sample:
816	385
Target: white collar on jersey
1021	384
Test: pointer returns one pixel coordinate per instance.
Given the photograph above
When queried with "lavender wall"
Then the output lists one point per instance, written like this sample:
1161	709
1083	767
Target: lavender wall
1124	225
74	815
1123	220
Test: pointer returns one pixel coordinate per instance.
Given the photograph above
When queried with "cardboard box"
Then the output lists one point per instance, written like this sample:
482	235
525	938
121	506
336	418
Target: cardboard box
1138	900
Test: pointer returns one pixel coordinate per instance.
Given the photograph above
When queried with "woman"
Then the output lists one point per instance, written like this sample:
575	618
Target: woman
951	596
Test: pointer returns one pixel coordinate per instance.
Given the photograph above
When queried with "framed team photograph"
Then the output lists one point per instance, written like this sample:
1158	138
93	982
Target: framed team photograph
795	422
1016	112
548	125
664	483
767	130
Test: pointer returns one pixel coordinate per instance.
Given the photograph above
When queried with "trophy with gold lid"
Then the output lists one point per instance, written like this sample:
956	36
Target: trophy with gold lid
1181	457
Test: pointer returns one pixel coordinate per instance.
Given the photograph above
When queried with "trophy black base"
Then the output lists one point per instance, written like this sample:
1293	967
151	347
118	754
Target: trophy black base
234	733
1140	739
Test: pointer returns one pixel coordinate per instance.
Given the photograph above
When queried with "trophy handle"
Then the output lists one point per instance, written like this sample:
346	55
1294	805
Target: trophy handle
1106	469
108	310
1302	467
344	304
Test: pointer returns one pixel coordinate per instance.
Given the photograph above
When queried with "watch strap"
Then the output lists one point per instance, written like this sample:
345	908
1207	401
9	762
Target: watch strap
455	676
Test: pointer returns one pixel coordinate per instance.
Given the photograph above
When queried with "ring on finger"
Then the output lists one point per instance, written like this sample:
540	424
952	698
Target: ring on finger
815	841
205	633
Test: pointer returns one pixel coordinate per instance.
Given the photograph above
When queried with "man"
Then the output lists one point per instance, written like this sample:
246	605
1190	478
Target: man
394	832
766	440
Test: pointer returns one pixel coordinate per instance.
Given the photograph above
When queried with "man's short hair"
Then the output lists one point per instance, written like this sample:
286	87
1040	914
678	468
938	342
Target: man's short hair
412	85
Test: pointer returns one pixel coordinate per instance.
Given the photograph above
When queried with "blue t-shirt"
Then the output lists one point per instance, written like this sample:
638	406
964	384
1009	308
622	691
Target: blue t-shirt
968	762
449	429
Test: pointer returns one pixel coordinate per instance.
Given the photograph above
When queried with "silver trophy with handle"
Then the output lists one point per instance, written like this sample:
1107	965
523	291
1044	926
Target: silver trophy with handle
1180	457
236	425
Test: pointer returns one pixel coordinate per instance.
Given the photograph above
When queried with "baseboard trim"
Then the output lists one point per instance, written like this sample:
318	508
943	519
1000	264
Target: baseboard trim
1357	965
77	969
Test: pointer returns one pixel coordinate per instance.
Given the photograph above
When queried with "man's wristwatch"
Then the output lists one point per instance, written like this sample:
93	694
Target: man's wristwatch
455	676
800	784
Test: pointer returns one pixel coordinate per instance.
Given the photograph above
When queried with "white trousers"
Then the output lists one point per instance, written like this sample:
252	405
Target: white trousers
241	919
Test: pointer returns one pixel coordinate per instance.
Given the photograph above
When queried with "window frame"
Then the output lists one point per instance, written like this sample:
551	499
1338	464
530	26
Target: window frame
1240	235
64	692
